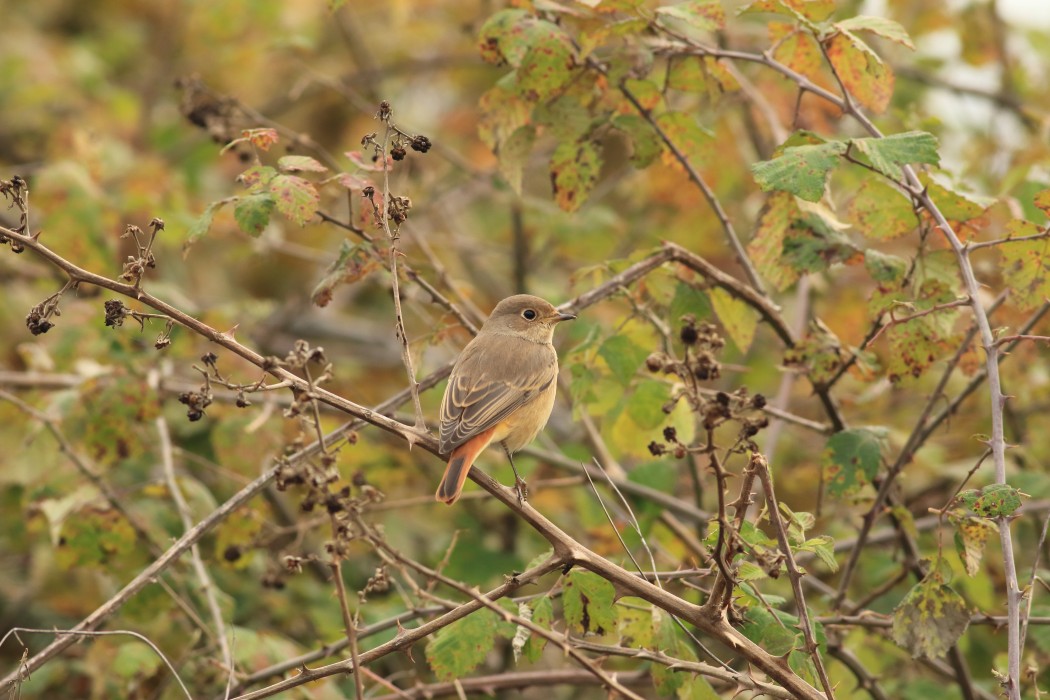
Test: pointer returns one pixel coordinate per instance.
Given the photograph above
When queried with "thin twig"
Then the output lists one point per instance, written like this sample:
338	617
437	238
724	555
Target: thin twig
694	175
407	637
392	237
207	585
349	623
1026	619
794	573
87	633
519	680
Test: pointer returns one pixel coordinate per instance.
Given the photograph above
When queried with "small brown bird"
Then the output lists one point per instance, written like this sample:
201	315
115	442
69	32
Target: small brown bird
501	389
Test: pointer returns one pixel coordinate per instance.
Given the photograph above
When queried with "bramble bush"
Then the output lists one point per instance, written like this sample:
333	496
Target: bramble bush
797	440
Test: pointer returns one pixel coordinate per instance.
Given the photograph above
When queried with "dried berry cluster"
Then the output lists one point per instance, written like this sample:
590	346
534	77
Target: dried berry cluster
37	319
137	265
196	402
702	344
116	313
398	207
16	190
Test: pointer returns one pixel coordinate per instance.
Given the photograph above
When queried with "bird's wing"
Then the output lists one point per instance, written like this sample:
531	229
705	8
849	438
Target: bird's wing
489	381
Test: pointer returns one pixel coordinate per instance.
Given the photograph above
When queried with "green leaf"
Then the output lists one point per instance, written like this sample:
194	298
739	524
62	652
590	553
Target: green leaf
646	93
92	537
591	37
134	660
773	633
801	137
503	112
749	571
297	164
955	205
800	170
295	197
455	651
635	623
881	212
996	500
565	118
1042	201
542	615
919	342
930	619
252	212
355	262
867	78
880	26
108	417
233	534
766	248
820	354
697	688
706	15
883	267
659	475
547	65
971	535
645	406
738	318
682	129
587	601
807	11
646	145
504	38
574	172
817	245
669	638
851	459
623	357
1026	266
513	153
686	73
257	176
824	548
688	300
800	51
1040	634
888	153
200	227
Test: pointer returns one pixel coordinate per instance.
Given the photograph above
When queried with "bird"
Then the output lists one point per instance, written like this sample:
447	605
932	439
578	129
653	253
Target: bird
501	389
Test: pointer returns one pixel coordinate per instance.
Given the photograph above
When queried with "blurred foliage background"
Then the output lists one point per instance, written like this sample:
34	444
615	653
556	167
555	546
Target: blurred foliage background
100	104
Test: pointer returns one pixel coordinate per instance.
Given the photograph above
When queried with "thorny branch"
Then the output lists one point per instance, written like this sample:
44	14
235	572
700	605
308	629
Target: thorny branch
915	188
567	550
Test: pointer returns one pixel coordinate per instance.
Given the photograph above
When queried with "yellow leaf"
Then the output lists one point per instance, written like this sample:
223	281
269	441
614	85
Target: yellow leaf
739	319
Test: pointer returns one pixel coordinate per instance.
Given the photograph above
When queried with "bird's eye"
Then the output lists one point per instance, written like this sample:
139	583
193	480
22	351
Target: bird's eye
528	315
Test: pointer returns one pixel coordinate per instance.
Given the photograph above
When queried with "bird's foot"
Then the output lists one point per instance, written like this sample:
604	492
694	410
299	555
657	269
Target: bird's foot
522	489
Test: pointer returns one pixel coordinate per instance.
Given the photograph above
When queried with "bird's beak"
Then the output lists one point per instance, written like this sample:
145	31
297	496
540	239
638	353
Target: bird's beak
561	316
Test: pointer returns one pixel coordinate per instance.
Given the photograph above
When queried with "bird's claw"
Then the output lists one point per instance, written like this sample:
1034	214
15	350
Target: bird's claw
522	489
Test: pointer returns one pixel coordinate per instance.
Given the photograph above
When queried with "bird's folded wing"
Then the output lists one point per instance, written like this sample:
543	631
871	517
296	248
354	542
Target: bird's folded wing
487	387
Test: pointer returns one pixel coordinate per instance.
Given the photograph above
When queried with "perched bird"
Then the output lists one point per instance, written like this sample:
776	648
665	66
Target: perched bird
501	388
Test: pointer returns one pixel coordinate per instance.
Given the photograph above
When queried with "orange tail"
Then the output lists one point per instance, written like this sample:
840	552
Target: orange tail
459	464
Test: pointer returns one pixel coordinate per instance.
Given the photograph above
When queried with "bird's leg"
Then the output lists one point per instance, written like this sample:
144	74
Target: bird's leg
519	484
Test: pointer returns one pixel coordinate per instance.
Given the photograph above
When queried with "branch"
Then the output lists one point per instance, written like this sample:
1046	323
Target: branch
727	226
227	341
183	508
758	463
406	638
522	680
